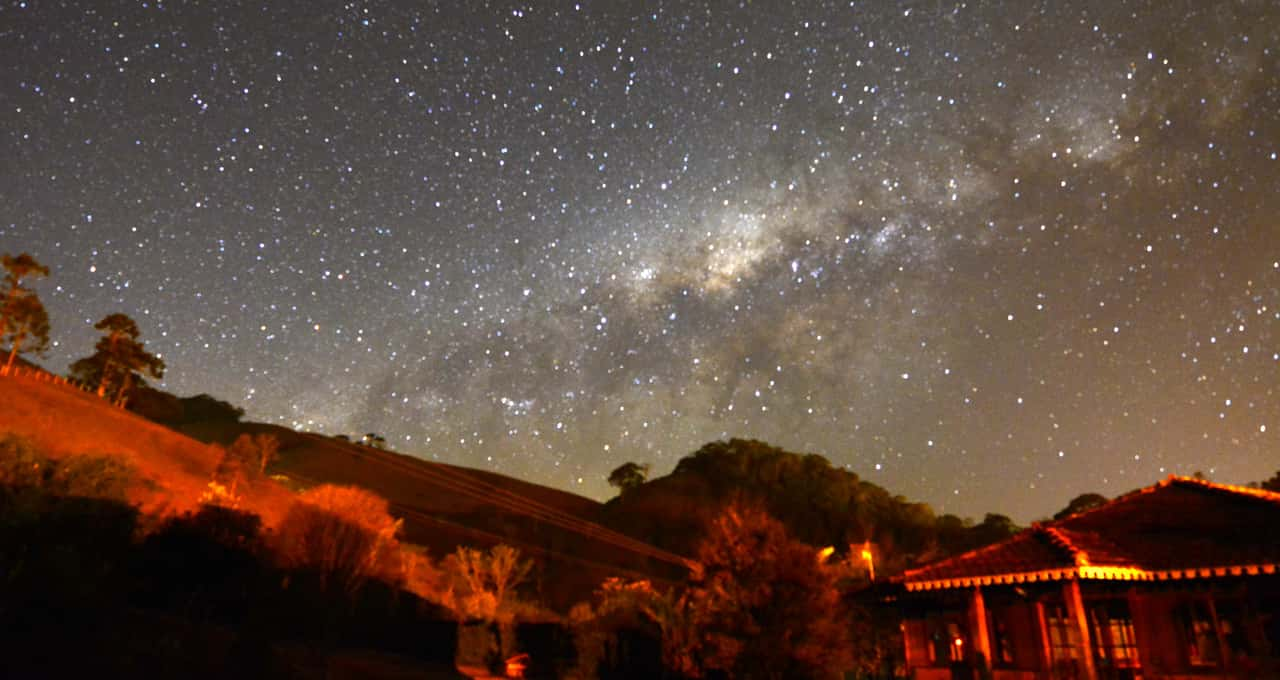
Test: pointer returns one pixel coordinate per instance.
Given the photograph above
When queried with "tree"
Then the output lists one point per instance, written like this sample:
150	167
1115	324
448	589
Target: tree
762	606
484	584
247	456
26	328
118	361
629	476
1081	503
994	528
256	451
1272	484
23	319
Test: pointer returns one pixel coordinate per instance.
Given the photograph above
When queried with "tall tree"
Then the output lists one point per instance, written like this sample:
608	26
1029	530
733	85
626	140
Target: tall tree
119	360
24	323
26	328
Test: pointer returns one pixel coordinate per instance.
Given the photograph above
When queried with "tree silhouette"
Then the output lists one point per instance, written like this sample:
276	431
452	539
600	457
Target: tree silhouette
629	476
762	605
1081	503
1272	484
118	361
24	323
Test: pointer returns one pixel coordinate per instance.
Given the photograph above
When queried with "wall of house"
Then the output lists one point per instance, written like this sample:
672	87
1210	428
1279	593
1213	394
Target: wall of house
930	673
1024	635
1001	674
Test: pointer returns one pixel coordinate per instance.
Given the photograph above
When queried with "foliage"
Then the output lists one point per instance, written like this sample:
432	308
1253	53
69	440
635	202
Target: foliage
119	360
993	529
819	504
24	323
343	534
1272	484
422	576
26	328
762	604
205	408
482	585
248	456
220	495
629	476
166	408
216	546
1081	503
155	405
23	465
87	589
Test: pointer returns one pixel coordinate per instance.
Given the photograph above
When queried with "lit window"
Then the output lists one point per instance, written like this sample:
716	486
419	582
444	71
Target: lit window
1064	639
1114	642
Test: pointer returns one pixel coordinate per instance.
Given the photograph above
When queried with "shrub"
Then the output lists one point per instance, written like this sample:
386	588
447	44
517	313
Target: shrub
23	465
344	535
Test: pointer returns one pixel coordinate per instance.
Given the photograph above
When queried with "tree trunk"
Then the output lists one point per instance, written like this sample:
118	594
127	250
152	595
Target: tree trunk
123	394
13	354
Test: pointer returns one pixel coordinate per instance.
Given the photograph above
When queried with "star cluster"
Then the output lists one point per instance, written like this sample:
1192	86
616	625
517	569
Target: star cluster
986	254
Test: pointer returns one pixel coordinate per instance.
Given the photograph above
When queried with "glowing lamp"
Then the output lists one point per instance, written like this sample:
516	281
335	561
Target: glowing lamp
516	665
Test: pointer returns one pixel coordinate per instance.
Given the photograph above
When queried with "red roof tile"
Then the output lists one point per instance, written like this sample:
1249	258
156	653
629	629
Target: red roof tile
1179	528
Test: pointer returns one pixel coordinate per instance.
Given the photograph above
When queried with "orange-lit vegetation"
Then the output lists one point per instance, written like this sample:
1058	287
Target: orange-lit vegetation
344	535
24	323
482	585
118	362
760	605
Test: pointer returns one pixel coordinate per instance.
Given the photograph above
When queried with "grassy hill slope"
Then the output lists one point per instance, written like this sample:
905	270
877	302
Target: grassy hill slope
443	506
175	469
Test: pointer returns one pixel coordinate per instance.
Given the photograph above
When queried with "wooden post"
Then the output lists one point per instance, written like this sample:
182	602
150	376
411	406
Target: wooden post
978	624
1079	617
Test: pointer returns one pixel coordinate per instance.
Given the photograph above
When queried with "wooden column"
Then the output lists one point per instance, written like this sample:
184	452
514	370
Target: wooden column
1080	618
978	624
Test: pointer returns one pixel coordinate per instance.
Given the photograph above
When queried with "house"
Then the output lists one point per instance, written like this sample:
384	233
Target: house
1179	580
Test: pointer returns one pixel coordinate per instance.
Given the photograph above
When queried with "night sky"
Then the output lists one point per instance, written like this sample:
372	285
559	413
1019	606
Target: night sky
988	255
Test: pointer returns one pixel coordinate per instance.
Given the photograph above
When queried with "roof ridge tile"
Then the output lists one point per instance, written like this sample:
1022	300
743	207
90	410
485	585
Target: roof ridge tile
1060	539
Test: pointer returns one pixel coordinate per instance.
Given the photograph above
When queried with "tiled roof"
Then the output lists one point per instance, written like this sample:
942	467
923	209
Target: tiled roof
1179	528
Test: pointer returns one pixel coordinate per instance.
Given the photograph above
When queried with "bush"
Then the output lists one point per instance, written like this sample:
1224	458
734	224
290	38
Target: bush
209	561
344	535
23	465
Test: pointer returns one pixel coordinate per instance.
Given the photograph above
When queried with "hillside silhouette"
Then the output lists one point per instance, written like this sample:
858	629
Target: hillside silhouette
819	504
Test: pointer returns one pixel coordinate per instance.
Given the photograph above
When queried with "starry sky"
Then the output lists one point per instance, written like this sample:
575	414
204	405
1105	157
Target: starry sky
988	255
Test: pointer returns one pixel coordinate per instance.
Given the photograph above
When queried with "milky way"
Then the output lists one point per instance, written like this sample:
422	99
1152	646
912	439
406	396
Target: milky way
988	255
